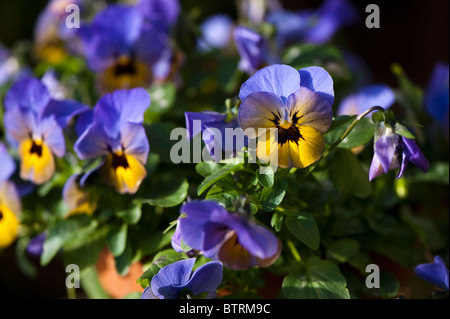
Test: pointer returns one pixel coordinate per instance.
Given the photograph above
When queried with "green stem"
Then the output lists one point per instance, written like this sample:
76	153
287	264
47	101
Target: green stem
294	251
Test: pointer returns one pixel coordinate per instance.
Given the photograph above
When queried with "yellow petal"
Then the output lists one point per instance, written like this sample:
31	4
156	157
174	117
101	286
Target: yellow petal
37	162
9	226
79	201
310	147
125	178
234	255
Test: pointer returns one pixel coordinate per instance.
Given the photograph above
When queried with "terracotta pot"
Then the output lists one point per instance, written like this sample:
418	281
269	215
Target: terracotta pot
113	283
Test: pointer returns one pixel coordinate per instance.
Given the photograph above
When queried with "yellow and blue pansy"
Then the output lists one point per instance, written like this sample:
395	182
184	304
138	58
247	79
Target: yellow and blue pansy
116	133
34	123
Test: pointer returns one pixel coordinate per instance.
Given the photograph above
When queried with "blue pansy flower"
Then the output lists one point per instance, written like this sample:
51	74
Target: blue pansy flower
435	273
117	134
34	122
437	94
296	105
388	146
216	130
123	54
312	26
238	241
10	205
216	32
177	281
365	98
253	49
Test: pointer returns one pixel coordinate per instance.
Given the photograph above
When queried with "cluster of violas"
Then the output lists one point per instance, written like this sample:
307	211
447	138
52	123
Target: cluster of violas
128	47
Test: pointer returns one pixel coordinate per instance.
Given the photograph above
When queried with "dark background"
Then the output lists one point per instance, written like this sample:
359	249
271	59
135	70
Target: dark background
413	33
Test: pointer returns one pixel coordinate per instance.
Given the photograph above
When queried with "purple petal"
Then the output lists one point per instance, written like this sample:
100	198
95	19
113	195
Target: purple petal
135	141
413	154
6	163
151	45
20	124
252	48
206	278
53	136
259	110
148	294
160	12
116	108
84	120
27	93
290	26
194	216
435	273
318	80
369	96
203	117
176	239
257	240
36	245
94	142
281	80
437	93
164	283
386	147
63	110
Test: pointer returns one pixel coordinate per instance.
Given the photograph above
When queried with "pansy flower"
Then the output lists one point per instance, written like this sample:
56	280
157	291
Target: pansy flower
218	133
34	122
238	241
163	13
365	98
116	133
387	147
123	54
53	39
289	111
10	206
437	94
312	26
435	273
178	281
253	49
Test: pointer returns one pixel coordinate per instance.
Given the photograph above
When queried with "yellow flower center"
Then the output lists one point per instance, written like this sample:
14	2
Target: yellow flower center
9	226
37	162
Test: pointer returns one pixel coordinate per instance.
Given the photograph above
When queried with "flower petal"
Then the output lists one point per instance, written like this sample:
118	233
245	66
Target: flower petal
372	95
6	163
435	273
310	108
318	80
164	283
134	140
63	110
206	278
281	80
28	93
260	110
94	142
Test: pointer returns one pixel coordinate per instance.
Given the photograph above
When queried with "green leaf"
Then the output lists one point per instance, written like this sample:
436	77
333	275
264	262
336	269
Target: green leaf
342	250
304	228
225	198
174	193
277	221
403	131
117	240
319	279
348	175
272	197
132	215
163	97
217	175
63	232
25	265
268	179
361	134
207	168
162	259
91	285
303	55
